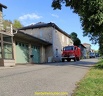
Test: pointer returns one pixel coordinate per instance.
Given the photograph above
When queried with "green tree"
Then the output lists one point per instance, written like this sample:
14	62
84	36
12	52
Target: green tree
6	25
75	39
101	44
91	15
17	24
73	35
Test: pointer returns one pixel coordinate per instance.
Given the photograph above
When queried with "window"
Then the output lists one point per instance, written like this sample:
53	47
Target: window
23	45
8	51
71	42
63	38
41	34
56	52
67	40
75	48
7	38
67	48
7	47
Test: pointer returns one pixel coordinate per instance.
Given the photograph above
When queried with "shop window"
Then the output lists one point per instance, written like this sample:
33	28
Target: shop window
6	48
8	51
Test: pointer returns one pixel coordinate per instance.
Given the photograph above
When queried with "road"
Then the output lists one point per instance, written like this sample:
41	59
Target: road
24	80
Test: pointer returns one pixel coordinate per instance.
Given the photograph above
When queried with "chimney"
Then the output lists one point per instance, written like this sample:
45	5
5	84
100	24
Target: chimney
1	15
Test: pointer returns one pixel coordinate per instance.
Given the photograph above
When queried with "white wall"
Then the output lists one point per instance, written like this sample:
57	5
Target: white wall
59	41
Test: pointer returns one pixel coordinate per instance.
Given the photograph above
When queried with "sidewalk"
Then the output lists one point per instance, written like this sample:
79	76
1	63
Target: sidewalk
21	66
3	67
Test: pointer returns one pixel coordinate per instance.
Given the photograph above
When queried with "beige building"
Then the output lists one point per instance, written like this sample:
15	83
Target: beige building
83	51
39	43
88	49
53	35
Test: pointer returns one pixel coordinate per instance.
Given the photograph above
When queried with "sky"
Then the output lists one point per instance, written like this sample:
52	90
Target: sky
34	11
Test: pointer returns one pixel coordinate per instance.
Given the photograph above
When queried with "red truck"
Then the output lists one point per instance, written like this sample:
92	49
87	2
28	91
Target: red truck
71	52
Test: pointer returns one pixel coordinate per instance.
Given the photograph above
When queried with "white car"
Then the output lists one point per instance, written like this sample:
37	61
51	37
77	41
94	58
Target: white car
92	55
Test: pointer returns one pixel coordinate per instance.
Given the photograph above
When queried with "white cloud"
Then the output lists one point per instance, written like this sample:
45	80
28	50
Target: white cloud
54	15
31	16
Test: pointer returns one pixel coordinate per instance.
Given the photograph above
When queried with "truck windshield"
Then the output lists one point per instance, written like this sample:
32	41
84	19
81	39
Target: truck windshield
68	48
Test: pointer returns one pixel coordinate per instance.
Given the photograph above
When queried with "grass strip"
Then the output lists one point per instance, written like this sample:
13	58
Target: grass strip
92	83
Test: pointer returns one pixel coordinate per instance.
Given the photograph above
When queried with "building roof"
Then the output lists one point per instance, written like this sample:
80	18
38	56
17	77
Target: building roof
3	6
86	44
82	45
42	24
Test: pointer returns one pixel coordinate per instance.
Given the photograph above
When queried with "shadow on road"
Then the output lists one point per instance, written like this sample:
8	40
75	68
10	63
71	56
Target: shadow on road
82	63
23	69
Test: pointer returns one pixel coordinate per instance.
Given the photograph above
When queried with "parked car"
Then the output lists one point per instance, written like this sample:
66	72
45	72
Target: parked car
97	55
92	55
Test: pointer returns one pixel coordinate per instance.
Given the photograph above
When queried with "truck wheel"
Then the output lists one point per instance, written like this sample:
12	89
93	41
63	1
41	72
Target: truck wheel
62	60
75	60
78	59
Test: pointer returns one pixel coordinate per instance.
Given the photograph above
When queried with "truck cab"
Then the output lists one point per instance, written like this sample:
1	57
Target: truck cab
71	52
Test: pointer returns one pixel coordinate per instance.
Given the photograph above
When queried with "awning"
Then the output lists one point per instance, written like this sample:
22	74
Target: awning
31	38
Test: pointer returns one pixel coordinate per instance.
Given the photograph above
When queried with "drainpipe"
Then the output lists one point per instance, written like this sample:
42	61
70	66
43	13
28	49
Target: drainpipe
11	29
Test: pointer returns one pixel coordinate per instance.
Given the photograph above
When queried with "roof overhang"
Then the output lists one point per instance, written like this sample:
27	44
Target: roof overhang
31	38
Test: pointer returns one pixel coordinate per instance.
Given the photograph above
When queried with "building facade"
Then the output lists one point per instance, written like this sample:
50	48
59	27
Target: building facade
29	49
39	43
55	39
88	49
83	51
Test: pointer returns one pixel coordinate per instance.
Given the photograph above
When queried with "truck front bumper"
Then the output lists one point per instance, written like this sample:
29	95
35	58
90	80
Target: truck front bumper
69	57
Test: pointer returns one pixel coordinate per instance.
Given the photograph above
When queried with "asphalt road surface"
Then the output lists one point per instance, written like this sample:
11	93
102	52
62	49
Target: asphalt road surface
25	80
